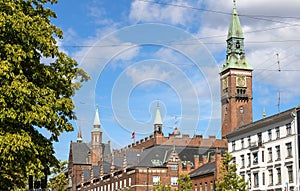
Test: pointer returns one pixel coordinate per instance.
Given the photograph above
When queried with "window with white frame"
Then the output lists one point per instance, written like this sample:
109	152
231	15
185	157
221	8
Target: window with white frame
270	134
155	180
233	145
174	181
290	173
249	141
289	149
255	158
256	179
242	143
277	130
288	129
270	158
249	159
278	169
270	177
277	152
242	161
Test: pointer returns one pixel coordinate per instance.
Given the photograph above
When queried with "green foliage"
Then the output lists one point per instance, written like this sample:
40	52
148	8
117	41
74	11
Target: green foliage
59	181
33	94
228	179
185	182
162	187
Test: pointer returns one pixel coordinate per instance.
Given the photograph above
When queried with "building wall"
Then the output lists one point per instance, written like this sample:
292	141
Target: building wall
266	162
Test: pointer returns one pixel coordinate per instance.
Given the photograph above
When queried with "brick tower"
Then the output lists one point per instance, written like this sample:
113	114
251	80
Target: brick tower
236	80
96	142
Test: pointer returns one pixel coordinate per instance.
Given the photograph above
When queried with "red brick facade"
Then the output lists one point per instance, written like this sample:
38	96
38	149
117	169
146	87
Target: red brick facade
236	100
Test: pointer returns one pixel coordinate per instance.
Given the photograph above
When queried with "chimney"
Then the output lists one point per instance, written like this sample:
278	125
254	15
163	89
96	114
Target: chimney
218	159
196	161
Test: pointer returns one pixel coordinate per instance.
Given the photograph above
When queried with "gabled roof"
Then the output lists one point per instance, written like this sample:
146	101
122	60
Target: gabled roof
205	169
157	156
80	153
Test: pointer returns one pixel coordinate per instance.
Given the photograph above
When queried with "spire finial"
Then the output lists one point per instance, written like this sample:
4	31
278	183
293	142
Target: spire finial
234	3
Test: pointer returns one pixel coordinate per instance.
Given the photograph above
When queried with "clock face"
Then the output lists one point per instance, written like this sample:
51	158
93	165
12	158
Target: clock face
241	81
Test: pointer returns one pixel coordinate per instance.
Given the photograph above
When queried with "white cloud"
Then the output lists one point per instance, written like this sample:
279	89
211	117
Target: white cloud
142	11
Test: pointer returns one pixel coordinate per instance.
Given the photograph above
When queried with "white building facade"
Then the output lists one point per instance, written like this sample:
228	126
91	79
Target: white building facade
266	152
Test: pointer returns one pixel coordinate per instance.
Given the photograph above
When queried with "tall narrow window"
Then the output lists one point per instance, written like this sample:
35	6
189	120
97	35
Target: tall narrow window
242	143
255	158
289	149
249	159
270	158
256	183
249	141
242	161
262	156
278	175
263	178
259	139
277	152
288	129
233	145
277	130
290	173
270	134
270	177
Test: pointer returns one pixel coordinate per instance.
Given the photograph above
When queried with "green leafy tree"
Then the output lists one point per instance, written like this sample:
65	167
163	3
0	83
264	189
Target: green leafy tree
228	180
59	181
162	187
185	182
34	95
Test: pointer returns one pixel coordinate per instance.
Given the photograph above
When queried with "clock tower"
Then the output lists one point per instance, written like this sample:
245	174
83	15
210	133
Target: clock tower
236	80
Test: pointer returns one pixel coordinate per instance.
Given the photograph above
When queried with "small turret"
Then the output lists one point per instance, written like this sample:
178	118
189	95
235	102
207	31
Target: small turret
157	121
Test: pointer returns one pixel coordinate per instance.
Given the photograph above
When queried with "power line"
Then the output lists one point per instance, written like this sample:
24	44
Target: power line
257	17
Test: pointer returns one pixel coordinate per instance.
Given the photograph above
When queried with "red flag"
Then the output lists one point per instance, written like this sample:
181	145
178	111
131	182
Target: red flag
133	135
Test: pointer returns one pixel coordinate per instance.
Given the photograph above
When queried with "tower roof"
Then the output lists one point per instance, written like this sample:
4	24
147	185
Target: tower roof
79	136
157	120
235	54
235	29
97	124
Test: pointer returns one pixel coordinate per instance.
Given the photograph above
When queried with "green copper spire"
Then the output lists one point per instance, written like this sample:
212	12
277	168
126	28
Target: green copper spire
235	54
235	29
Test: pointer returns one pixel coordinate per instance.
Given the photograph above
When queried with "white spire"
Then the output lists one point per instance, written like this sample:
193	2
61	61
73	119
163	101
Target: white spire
97	119
157	120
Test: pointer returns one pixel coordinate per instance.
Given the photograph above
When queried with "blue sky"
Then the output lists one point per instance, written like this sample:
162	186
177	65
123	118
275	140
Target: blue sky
138	52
